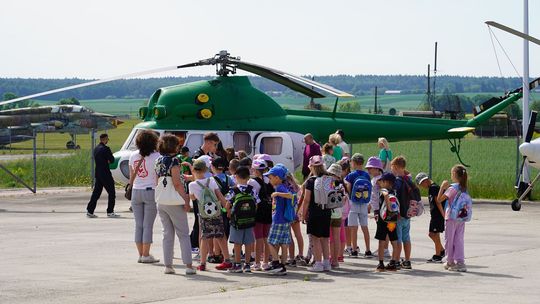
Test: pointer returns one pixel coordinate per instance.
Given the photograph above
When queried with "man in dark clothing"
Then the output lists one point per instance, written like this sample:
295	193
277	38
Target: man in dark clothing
103	157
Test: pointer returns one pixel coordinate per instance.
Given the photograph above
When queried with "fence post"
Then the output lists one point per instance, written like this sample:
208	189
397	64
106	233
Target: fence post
34	145
430	158
92	160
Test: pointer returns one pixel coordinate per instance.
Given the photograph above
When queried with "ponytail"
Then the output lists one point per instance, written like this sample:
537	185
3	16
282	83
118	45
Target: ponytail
460	172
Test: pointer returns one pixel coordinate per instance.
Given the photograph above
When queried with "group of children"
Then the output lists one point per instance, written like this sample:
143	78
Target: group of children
257	205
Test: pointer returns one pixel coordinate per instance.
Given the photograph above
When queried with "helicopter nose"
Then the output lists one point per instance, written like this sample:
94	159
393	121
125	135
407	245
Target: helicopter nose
531	150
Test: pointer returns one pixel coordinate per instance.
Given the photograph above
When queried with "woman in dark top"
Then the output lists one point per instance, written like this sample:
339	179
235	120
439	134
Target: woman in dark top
318	219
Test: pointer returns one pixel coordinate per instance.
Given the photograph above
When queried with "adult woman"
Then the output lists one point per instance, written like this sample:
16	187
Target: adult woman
335	139
385	154
173	216
142	173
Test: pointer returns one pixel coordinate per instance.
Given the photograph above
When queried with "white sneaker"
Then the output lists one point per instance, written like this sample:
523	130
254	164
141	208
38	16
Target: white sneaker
113	215
149	259
190	271
449	265
91	215
326	265
169	270
256	267
459	267
317	267
140	259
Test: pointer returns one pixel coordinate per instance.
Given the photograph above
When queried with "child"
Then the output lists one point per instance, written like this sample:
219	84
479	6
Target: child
225	184
336	237
318	219
279	236
386	228
455	230
263	220
328	159
184	157
210	227
292	186
406	191
238	235
345	170
358	215
233	165
374	167
385	154
436	224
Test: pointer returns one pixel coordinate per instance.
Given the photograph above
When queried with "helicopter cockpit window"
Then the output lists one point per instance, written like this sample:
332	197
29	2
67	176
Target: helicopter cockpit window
242	141
271	145
194	142
180	134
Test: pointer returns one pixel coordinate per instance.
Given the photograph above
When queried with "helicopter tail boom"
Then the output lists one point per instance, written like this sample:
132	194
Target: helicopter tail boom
487	114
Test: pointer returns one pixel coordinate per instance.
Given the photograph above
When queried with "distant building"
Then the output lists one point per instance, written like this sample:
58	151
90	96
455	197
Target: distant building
392	92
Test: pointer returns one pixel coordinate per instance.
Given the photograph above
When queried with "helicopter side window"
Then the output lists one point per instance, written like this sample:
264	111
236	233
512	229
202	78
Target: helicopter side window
242	141
194	142
180	134
271	145
131	146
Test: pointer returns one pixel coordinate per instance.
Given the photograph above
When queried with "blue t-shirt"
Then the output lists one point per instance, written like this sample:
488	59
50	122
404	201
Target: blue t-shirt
279	208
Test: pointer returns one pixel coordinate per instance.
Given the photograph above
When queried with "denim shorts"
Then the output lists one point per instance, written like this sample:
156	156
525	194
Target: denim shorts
403	230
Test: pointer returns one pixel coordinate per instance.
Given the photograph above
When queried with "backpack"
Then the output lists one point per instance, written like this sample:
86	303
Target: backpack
461	208
264	207
244	208
327	195
412	196
289	213
390	211
208	203
361	190
223	185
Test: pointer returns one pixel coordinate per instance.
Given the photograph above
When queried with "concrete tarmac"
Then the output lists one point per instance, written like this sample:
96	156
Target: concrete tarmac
51	253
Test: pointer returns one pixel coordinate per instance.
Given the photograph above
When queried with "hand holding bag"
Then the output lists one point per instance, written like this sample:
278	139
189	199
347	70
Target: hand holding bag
129	186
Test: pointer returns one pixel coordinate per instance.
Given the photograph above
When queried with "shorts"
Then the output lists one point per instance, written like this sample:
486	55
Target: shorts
319	226
342	238
335	222
241	236
261	230
403	230
212	228
383	231
436	224
358	218
279	234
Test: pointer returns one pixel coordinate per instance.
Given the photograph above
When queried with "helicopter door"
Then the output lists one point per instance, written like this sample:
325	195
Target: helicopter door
278	145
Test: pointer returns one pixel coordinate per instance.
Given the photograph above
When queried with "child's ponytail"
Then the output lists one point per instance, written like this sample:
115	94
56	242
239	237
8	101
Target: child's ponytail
460	173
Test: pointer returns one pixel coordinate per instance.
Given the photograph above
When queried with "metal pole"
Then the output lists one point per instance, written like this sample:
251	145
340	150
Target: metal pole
526	111
92	160
517	156
43	139
431	159
376	110
34	140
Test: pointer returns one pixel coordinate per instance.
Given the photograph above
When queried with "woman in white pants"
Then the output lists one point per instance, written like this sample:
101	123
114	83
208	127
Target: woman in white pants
143	204
173	215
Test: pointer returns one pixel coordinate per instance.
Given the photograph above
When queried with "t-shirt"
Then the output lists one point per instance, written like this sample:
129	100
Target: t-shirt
309	151
344	147
197	190
351	178
328	160
243	188
375	192
183	159
314	210
385	156
338	153
146	175
279	207
433	192
451	193
224	177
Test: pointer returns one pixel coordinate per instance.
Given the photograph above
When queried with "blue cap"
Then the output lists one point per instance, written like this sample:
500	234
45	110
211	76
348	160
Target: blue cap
279	171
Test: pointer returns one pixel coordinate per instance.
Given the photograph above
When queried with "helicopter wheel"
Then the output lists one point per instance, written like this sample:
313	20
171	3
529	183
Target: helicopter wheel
516	205
70	145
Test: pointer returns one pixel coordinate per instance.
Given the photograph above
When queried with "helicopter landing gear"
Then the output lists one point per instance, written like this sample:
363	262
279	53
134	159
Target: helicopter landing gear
523	190
455	147
72	144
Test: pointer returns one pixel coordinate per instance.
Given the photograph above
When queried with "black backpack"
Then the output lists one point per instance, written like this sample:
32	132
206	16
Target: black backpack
223	185
407	191
244	208
264	207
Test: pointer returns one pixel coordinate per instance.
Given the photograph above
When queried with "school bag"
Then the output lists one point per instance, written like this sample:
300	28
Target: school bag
223	184
361	191
289	213
461	208
208	203
327	195
244	208
264	207
411	193
389	212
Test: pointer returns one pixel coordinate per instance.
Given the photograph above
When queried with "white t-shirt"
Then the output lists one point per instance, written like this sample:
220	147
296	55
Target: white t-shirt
146	175
196	190
345	147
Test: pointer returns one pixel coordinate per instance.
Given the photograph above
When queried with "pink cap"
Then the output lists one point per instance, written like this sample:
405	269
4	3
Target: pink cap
264	157
316	160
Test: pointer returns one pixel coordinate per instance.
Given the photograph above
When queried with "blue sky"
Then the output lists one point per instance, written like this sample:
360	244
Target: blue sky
99	38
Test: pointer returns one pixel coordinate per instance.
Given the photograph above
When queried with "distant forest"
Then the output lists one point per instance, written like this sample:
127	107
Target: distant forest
358	85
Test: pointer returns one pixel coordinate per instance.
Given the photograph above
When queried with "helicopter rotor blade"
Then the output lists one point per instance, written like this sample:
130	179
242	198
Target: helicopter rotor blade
293	82
513	31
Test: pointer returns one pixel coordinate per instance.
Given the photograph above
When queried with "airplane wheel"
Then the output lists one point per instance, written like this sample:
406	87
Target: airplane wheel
70	145
516	205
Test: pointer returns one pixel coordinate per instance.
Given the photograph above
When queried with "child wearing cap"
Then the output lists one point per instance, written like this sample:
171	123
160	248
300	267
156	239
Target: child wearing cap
386	229
263	219
210	227
436	223
279	236
317	218
358	214
374	166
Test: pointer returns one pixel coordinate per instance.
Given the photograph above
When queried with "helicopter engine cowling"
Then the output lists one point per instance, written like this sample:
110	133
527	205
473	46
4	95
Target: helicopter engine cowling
531	150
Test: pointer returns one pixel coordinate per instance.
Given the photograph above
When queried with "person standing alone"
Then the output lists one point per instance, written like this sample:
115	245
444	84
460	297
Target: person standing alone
102	157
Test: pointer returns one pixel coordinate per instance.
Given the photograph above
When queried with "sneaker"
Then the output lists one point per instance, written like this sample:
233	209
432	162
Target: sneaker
443	253
398	265
354	253
317	267
190	271
139	260
387	253
169	270
278	269
340	259
368	255
460	267
194	250
392	266
435	259
201	267
91	215
381	267
326	265
335	266
236	268
291	262
224	266
406	265
266	267
213	259
448	265
256	267
348	251
247	267
300	261
149	259
113	215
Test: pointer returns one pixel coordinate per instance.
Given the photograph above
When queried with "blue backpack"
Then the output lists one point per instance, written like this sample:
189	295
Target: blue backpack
289	212
361	191
460	209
